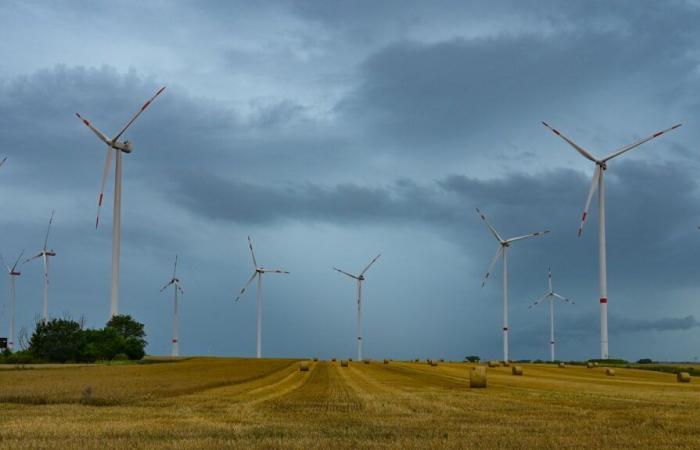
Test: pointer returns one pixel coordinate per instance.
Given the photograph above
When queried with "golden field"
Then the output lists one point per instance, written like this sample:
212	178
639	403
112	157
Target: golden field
269	403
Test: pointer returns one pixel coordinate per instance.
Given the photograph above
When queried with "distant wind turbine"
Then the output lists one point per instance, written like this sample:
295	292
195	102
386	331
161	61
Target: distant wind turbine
504	244
3	161
45	253
360	278
12	272
551	296
117	147
259	271
597	183
175	282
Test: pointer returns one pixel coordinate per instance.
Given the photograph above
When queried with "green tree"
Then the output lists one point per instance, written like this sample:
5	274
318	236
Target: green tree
132	332
57	340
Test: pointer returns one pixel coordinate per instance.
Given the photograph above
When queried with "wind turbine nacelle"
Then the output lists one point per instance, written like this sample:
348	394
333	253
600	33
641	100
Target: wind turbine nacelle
123	146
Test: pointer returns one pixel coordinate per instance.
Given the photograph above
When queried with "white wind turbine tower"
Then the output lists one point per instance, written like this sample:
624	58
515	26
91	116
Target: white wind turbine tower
117	147
12	272
551	296
504	244
360	278
175	281
45	253
597	183
259	271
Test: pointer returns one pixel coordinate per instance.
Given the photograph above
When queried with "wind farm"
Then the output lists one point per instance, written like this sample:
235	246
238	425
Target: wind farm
340	151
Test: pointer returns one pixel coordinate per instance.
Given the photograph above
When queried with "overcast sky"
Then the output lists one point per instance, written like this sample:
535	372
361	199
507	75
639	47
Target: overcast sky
333	131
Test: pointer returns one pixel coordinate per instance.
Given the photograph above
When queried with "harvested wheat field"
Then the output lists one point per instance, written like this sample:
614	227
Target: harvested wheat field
270	403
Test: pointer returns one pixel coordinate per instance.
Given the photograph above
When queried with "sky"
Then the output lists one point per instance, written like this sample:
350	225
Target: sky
333	131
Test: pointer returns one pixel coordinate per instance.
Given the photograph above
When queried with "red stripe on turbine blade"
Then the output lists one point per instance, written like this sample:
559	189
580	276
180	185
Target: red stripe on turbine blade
603	300
583	218
99	202
658	134
174	341
145	105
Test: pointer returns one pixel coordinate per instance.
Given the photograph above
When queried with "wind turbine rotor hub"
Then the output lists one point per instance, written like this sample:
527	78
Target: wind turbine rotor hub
122	146
602	164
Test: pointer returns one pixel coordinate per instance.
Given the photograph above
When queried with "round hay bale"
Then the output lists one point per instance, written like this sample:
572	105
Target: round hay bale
562	366
433	364
494	364
366	361
505	364
386	361
343	363
610	372
590	365
477	377
517	370
304	366
333	359
683	377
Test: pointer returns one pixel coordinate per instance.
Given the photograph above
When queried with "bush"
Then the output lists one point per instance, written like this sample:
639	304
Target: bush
64	340
472	359
57	340
645	361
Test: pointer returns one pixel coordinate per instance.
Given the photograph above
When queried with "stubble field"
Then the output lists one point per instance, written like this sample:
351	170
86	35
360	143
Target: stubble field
269	403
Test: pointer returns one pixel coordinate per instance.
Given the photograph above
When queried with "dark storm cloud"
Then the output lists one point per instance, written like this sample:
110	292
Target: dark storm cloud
439	94
416	91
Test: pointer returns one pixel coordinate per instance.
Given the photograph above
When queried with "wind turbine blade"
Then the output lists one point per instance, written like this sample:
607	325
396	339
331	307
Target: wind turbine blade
538	302
563	298
252	253
97	132
179	288
14	266
520	238
638	143
371	262
138	113
345	273
48	230
164	287
175	268
240	294
493	262
274	271
105	173
3	161
488	224
591	191
33	258
583	152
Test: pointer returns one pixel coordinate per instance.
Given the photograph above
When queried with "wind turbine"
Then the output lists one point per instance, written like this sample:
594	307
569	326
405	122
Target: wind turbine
12	272
259	271
360	278
117	147
3	161
175	281
597	183
551	296
504	244
45	253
